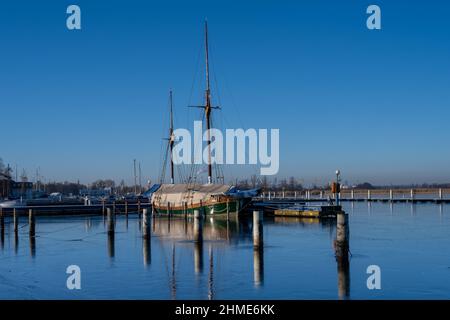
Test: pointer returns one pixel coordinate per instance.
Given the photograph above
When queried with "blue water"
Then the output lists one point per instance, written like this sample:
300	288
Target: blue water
410	243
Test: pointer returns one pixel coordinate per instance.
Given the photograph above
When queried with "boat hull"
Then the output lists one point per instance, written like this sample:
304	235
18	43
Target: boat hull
216	208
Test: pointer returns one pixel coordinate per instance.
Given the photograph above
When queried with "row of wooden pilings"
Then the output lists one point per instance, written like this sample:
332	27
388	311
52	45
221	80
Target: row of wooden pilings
31	228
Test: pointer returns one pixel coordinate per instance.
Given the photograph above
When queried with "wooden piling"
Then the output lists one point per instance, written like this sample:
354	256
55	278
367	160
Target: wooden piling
110	220
145	224
15	221
2	228
198	226
32	223
342	234
139	207
126	207
2	219
257	229
103	206
342	259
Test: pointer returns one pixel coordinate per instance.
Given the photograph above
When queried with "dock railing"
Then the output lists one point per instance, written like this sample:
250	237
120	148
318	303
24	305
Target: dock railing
395	195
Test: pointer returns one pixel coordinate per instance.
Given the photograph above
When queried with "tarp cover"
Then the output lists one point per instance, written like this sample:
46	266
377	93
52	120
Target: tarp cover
177	194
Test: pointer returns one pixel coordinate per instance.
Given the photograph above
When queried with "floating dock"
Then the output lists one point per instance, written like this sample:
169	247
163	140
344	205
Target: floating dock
326	211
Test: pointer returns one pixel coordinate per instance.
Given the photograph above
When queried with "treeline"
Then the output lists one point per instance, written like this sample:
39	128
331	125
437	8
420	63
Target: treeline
75	187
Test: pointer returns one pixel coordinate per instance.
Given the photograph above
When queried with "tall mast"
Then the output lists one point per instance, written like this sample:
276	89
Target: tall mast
208	105
171	140
135	177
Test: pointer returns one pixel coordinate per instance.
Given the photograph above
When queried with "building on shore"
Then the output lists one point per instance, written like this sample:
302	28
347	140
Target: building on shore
10	189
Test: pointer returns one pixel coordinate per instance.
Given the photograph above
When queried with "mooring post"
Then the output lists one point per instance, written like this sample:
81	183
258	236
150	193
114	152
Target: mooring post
368	195
440	194
412	194
110	220
169	211
32	222
145	224
228	209
126	207
391	195
2	228
257	229
342	235
198	226
16	221
103	206
139	207
269	195
2	218
353	194
342	249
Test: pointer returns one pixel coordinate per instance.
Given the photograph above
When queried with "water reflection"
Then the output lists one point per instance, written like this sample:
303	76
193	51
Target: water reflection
258	266
32	246
244	229
111	245
2	230
211	275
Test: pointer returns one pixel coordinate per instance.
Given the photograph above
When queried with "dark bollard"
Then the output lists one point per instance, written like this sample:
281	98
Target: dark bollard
126	207
139	207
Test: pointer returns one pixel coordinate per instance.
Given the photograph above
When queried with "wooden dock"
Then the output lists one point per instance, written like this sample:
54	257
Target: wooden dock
358	195
70	210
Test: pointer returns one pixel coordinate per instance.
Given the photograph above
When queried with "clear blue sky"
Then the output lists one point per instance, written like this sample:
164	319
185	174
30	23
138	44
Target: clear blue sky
83	104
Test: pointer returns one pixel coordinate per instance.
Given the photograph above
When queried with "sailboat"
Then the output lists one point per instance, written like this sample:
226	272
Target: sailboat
210	198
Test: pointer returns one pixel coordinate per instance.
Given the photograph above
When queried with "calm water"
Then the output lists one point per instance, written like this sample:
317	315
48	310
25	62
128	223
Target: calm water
410	243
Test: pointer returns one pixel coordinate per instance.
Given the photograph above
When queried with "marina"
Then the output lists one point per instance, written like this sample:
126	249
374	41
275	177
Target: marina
231	259
163	151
